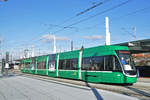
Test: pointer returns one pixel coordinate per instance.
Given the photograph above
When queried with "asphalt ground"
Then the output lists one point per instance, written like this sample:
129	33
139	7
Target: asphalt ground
23	87
140	90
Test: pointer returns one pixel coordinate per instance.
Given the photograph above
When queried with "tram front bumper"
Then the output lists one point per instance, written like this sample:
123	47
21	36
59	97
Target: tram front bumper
130	79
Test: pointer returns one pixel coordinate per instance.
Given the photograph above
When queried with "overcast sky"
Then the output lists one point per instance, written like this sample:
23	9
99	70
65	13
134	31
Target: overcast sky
24	22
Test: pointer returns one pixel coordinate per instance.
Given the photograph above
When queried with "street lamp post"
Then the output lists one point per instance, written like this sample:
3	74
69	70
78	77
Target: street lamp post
7	64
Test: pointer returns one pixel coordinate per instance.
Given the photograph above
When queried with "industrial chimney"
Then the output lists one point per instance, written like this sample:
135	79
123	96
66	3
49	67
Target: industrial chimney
107	31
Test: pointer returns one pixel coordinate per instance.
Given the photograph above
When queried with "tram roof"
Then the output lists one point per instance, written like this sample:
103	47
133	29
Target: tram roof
138	46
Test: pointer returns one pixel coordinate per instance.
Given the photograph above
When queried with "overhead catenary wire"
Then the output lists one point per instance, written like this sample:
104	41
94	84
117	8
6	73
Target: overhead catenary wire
84	11
34	39
118	18
78	14
65	27
127	32
109	9
90	17
94	6
137	11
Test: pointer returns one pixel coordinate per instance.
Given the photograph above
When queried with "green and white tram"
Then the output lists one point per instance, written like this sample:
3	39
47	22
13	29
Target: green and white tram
101	64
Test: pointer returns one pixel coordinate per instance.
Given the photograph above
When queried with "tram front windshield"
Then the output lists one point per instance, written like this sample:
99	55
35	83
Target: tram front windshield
127	62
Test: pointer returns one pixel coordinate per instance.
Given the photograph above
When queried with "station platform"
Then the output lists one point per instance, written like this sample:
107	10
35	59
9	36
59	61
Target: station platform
21	87
144	79
140	90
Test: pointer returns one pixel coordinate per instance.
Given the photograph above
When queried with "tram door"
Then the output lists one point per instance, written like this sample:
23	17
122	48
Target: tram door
51	71
33	64
51	65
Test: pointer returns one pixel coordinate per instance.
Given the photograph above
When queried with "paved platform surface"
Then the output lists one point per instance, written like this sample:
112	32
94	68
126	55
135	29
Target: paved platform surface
145	80
140	90
17	87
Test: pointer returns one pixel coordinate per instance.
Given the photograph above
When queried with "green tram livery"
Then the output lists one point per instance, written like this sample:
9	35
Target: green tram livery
101	64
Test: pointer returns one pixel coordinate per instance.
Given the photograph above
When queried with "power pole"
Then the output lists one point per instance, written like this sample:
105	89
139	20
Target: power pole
71	45
32	50
26	53
130	33
134	29
54	44
7	64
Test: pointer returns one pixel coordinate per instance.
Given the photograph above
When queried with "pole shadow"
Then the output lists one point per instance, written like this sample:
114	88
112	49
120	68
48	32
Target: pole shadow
9	75
95	92
138	91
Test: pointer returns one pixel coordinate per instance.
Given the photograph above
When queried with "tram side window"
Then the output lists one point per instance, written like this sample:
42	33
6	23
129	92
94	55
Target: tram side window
68	64
117	65
44	65
24	65
74	64
52	62
62	64
27	65
86	63
95	63
51	65
99	63
39	64
33	64
112	64
108	63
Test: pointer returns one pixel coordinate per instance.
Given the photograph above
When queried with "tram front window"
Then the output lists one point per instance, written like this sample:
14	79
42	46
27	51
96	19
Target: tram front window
127	62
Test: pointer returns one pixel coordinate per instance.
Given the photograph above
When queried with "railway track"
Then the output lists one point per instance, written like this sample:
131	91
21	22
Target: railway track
139	90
